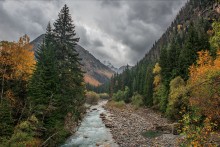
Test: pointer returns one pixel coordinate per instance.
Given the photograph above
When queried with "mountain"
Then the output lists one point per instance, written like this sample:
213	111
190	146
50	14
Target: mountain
108	63
194	9
96	73
171	47
117	70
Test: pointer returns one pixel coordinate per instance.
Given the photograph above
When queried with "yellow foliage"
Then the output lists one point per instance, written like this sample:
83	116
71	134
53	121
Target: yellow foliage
157	77
204	84
204	63
17	59
157	69
157	80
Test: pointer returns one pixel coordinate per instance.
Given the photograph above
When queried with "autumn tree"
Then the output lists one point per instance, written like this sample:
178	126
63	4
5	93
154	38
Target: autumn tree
16	66
204	82
160	91
178	99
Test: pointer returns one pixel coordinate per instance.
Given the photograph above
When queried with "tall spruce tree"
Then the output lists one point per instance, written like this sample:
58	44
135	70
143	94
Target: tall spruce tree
68	61
44	83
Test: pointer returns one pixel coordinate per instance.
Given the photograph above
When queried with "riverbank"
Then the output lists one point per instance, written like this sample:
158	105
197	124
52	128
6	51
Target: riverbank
128	126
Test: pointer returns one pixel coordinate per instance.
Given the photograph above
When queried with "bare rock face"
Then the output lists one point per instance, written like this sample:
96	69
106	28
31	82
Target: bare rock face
96	73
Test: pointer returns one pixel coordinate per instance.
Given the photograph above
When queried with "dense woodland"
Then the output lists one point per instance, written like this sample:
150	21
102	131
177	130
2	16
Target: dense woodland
42	96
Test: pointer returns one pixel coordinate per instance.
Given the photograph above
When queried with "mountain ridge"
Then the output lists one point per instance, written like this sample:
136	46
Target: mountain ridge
117	70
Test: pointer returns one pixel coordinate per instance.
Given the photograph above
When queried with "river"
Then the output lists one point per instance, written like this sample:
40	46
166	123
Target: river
92	131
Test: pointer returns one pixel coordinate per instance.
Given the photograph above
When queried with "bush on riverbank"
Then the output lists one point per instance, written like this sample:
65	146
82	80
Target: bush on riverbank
137	100
122	95
92	98
104	96
119	104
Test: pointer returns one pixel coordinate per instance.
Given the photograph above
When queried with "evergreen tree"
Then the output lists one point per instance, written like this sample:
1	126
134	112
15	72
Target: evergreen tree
43	85
68	61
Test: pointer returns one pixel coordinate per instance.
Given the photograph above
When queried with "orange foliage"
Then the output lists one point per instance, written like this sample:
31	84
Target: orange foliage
16	65
204	63
204	84
91	80
17	59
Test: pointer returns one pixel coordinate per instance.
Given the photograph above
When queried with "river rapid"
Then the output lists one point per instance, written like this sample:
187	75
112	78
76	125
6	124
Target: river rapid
92	131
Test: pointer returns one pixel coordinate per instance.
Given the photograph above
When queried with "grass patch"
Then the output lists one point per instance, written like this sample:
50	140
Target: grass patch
151	134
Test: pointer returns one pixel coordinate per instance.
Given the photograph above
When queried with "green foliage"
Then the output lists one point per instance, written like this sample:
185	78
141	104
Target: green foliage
26	133
92	97
138	79
6	121
57	86
178	99
126	94
160	97
104	96
214	40
198	131
117	104
160	90
119	96
122	95
137	100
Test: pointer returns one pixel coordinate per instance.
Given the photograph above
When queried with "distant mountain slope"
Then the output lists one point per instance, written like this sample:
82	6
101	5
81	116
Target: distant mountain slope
108	63
117	70
206	9
122	68
96	72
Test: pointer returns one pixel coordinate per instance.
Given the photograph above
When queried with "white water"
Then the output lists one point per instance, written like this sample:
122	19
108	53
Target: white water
92	131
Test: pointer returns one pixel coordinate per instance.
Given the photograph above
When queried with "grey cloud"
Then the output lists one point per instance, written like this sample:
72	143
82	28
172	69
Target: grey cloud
142	24
84	38
112	3
97	43
132	26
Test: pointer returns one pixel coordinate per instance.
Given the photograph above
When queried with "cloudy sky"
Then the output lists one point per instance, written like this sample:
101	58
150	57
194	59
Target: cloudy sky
119	31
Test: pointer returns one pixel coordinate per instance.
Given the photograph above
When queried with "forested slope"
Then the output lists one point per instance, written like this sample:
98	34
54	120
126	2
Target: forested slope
196	14
179	76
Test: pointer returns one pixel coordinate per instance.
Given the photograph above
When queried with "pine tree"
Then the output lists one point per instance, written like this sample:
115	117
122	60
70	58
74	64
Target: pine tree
44	83
68	61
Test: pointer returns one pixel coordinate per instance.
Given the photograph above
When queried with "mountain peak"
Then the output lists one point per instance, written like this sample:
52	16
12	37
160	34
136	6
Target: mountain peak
117	70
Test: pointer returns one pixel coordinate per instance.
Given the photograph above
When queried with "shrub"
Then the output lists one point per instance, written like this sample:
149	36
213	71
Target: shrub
104	96
160	97
137	100
26	133
122	95
92	97
198	132
178	99
119	104
119	96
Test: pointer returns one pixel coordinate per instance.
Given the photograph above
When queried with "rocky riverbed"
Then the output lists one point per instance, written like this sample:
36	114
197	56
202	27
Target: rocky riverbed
127	126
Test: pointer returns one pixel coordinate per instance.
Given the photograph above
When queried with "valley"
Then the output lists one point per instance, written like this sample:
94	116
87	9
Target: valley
65	90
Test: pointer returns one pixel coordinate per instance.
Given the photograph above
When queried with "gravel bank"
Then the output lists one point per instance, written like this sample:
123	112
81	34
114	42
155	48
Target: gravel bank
127	126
